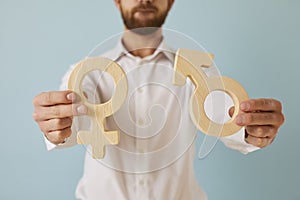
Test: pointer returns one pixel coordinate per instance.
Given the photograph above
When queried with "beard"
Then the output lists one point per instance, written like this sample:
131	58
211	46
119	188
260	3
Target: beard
143	27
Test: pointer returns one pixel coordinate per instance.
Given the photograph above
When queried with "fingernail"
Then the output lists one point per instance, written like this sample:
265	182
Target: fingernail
245	106
82	109
239	120
71	97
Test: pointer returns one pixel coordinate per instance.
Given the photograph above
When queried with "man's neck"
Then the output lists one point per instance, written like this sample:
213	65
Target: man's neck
141	45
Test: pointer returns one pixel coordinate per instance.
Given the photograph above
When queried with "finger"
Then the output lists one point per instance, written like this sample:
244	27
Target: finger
231	111
259	118
262	131
270	105
57	137
59	111
54	98
55	124
258	141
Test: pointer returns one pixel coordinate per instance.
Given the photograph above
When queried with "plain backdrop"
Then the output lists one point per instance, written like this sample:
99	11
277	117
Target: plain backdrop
255	42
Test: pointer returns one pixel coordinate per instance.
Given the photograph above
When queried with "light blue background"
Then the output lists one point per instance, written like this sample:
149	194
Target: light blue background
255	42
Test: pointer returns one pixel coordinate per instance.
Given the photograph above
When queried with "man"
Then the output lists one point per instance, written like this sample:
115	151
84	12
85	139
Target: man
126	173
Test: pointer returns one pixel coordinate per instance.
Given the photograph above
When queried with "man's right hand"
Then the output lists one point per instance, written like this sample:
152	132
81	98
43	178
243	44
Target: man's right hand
54	111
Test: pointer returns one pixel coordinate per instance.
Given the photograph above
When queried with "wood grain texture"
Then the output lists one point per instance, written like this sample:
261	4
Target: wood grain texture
189	64
98	137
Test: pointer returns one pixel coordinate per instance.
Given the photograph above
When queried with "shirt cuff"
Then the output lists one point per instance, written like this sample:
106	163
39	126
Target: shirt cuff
237	142
50	146
69	142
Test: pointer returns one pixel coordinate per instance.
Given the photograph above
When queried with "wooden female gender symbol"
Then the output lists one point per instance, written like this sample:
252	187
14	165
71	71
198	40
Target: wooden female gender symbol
188	63
98	137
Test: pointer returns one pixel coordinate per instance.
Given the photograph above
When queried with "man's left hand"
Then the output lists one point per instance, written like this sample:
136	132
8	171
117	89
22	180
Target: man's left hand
262	119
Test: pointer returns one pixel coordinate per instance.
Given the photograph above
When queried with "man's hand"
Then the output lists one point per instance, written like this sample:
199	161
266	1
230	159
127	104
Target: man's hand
54	111
262	119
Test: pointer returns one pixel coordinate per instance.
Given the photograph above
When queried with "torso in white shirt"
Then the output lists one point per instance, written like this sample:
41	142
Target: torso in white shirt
154	159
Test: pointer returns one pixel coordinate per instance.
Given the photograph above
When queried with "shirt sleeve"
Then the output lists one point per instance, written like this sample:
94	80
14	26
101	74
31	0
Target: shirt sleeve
237	142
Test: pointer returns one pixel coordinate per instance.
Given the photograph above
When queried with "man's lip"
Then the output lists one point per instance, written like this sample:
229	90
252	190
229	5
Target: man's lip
145	10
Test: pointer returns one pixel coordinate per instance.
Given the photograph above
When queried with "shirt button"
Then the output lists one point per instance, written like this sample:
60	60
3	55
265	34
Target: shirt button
140	90
141	182
140	151
141	122
141	62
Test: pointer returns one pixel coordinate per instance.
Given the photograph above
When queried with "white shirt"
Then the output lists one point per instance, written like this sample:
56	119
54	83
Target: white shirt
154	159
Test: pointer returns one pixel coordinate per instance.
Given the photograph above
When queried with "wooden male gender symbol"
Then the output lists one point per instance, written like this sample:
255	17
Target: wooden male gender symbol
188	63
98	137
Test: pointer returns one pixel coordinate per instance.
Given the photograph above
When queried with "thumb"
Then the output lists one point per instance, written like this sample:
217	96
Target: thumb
231	111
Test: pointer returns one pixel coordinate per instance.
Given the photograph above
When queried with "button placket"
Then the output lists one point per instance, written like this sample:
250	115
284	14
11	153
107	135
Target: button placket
140	104
142	192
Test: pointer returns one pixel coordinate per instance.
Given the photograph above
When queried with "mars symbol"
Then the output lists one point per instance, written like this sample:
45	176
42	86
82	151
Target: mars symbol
188	64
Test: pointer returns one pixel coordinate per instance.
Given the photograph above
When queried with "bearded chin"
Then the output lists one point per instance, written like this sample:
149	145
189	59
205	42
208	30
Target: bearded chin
140	28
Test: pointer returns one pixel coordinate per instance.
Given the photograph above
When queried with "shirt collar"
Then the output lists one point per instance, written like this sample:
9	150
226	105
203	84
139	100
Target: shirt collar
163	48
